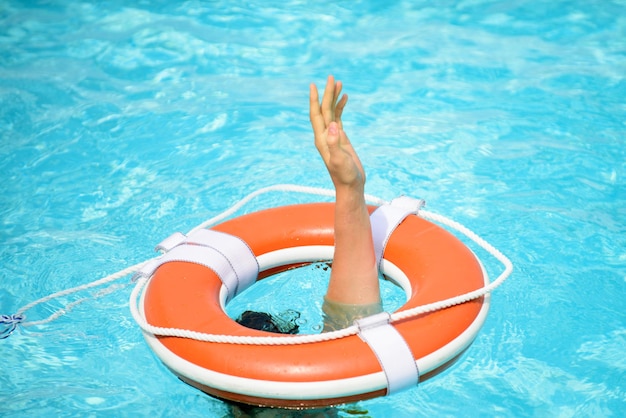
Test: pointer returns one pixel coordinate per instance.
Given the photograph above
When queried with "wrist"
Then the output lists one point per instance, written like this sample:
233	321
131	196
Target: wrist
350	191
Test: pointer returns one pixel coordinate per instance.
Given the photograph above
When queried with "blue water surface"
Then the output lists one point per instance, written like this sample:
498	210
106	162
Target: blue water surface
122	122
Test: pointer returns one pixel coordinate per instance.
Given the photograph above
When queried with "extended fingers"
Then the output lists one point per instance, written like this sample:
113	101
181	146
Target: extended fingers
328	100
332	105
330	110
337	92
315	114
339	108
339	103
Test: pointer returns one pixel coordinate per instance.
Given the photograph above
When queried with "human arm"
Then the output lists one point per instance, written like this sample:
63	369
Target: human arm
354	275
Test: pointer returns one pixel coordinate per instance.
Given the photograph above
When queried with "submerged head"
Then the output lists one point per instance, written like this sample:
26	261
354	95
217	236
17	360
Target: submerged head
283	323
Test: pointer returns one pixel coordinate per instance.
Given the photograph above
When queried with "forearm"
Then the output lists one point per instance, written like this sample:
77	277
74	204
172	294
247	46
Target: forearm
354	276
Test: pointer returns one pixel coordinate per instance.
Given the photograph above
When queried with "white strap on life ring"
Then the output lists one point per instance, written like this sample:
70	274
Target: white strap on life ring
227	255
391	350
386	218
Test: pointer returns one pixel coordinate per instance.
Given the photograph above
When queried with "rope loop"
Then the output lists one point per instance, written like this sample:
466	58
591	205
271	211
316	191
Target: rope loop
9	323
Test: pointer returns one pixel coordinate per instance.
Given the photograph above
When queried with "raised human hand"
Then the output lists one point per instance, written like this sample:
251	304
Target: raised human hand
331	141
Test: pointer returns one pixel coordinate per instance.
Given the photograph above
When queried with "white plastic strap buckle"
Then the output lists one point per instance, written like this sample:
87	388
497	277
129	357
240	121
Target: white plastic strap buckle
227	255
174	240
386	219
391	350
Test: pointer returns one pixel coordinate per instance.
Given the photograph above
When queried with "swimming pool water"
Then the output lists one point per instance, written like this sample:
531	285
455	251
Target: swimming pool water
123	122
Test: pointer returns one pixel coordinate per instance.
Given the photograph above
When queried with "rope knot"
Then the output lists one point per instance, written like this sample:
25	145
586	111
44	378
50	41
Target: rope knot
10	323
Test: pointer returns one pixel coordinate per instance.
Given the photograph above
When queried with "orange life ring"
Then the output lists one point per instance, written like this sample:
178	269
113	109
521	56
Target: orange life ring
187	296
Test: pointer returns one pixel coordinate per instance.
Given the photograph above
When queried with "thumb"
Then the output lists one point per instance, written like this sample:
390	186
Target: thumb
333	135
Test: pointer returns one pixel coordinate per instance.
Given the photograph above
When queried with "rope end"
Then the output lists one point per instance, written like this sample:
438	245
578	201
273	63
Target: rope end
10	323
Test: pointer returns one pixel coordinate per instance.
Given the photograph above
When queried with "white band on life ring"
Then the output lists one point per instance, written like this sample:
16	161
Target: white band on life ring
227	255
386	218
391	350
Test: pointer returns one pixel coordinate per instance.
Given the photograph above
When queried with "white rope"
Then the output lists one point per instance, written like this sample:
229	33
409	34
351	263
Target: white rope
277	340
69	306
457	300
230	339
130	270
